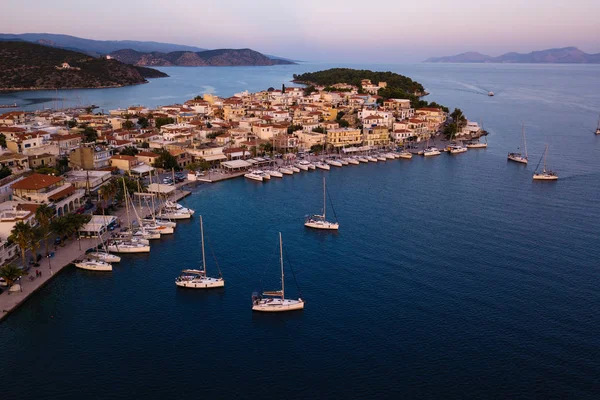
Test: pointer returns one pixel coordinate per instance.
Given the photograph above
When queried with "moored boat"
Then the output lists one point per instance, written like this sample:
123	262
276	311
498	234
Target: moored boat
517	156
253	175
353	161
545	174
273	173
93	265
322	165
318	221
431	151
103	256
286	170
275	301
334	162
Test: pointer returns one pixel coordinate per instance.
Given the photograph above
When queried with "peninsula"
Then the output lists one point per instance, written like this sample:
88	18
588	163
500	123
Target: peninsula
29	66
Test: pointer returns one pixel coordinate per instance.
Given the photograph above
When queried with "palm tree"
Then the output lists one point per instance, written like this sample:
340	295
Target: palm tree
44	215
22	235
10	273
109	191
36	237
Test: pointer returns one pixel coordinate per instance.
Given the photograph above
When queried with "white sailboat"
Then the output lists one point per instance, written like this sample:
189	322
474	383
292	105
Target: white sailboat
286	170
353	161
275	301
173	210
273	173
518	157
318	221
93	265
322	165
197	278
362	159
545	175
334	162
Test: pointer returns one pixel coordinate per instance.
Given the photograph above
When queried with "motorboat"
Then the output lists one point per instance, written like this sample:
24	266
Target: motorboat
476	145
491	94
318	221
197	278
407	155
322	165
431	151
286	170
159	222
93	265
171	205
127	246
457	149
303	167
103	256
273	173
275	301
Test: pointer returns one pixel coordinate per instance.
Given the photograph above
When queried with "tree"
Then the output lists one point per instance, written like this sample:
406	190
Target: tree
145	145
44	215
198	98
343	123
293	128
47	171
4	172
36	237
62	164
339	115
10	273
158	122
2	140
165	160
108	192
128	125
317	148
22	234
71	123
89	134
129	151
309	89
143	122
318	130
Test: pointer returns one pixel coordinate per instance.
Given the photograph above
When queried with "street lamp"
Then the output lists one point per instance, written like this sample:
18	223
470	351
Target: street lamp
79	240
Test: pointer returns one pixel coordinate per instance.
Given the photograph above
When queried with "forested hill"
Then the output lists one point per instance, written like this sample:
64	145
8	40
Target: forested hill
25	65
354	76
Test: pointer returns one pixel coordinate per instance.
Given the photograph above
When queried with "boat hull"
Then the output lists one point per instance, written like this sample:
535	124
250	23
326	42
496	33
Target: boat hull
106	257
544	177
330	226
94	266
518	159
326	167
406	156
123	249
175	216
278	305
207	283
286	171
477	146
254	177
431	153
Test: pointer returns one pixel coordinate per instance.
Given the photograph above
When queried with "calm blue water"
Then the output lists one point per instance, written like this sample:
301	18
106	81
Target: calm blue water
453	277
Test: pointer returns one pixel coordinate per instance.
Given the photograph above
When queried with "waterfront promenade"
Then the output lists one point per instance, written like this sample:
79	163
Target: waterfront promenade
63	257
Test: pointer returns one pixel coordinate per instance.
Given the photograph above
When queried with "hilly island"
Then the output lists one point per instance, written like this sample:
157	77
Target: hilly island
564	55
29	66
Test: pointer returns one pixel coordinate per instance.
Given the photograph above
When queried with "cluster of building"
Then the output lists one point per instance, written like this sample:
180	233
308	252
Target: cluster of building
207	130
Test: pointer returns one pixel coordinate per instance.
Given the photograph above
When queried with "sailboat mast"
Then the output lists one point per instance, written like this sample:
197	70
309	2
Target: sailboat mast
202	236
545	154
125	195
281	262
324	198
524	140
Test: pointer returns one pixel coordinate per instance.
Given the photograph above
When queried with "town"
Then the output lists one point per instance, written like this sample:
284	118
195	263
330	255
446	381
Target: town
62	159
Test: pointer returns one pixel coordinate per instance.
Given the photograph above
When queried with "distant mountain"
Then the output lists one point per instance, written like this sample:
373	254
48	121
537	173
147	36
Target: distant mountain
27	66
565	55
96	48
221	57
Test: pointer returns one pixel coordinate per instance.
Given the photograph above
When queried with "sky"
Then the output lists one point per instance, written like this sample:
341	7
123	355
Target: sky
381	31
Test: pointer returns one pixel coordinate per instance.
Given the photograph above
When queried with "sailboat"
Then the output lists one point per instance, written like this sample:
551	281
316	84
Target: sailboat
545	175
196	278
319	221
275	301
518	157
598	128
93	265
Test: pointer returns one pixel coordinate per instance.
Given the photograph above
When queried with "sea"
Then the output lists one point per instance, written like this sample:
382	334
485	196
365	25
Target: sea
451	277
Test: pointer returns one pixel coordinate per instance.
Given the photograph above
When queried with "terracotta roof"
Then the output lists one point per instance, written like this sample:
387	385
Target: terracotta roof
62	194
36	182
146	154
123	157
11	129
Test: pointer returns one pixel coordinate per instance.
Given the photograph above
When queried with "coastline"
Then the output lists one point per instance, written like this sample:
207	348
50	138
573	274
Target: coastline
63	257
14	90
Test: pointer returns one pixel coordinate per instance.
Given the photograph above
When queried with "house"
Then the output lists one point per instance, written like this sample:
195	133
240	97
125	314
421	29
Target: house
90	157
23	142
306	140
42	160
343	137
396	104
147	157
123	162
12	118
67	143
18	163
88	180
46	189
376	137
182	157
263	131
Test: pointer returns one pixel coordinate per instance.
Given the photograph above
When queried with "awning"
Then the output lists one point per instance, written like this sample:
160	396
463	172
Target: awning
235	164
215	157
98	224
142	169
160	188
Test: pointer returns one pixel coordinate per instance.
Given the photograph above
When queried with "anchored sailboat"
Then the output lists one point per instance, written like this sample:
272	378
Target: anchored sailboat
545	175
518	157
275	300
196	278
598	128
318	221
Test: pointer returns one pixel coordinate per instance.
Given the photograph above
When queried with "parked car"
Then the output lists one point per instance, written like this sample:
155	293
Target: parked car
57	241
88	205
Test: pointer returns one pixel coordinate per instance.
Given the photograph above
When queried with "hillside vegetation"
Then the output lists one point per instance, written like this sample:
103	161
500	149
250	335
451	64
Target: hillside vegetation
25	65
217	58
354	76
